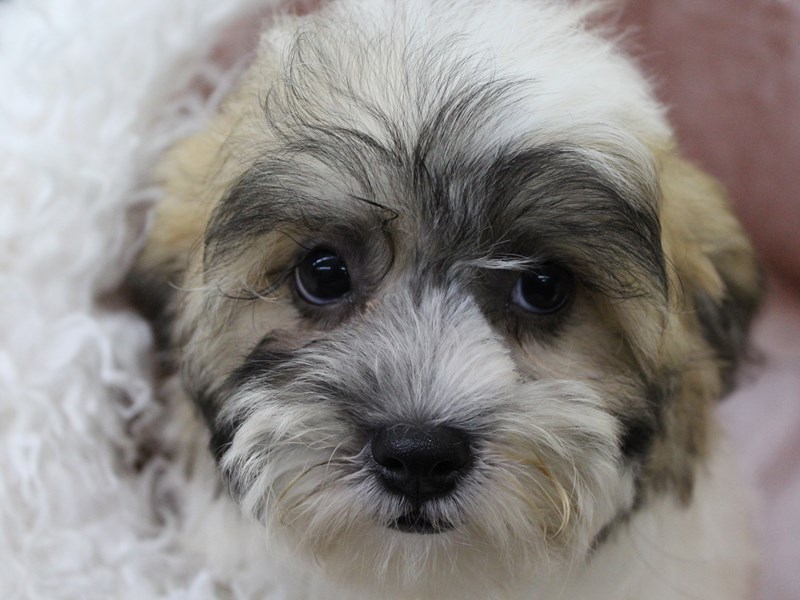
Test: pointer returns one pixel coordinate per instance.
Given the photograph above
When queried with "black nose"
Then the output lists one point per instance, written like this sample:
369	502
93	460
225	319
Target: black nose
420	462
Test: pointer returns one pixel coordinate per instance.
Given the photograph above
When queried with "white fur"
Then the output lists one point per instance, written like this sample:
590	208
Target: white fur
579	89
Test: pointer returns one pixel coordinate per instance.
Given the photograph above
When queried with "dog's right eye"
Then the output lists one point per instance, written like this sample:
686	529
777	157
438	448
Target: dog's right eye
544	290
322	277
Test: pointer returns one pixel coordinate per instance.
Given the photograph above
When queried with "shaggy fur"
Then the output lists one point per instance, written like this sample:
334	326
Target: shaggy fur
443	150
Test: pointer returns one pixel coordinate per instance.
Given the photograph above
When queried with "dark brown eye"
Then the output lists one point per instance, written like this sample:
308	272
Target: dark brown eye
322	277
543	290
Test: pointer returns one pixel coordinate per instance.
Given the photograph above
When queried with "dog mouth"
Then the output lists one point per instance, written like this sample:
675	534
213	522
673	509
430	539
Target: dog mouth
416	522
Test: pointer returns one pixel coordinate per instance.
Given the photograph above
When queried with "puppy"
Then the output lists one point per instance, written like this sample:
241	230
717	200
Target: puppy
454	313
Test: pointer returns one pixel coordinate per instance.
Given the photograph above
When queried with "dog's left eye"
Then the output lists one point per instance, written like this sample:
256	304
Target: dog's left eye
322	277
543	290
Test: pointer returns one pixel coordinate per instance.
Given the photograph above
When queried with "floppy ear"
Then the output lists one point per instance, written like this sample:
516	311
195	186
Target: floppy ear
193	176
719	279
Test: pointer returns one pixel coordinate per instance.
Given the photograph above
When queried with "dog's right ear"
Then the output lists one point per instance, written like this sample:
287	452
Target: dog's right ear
195	174
193	178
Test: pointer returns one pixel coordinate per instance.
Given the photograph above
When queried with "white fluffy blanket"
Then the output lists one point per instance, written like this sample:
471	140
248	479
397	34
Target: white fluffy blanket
91	91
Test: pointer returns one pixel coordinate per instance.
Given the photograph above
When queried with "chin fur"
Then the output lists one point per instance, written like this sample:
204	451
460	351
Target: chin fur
444	151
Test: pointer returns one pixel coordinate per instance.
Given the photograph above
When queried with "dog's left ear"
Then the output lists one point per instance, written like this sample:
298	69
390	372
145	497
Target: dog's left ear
718	277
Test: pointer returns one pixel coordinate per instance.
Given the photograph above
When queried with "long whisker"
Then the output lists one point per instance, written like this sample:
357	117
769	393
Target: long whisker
303	474
565	505
297	479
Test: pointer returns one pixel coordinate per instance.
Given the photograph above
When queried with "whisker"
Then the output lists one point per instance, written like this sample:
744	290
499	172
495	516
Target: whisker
565	506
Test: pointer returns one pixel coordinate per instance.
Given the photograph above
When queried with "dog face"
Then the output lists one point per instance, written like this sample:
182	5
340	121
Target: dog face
450	304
